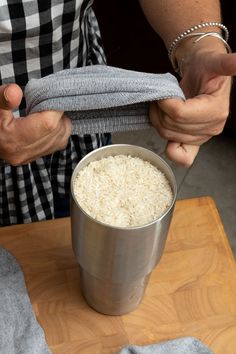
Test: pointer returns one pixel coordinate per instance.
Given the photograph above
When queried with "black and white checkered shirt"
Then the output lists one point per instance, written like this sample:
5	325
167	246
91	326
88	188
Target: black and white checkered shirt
38	38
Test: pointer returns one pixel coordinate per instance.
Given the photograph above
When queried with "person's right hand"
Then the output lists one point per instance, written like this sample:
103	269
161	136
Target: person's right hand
25	139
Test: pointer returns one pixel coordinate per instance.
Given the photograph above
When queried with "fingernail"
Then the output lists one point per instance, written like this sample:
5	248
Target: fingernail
5	94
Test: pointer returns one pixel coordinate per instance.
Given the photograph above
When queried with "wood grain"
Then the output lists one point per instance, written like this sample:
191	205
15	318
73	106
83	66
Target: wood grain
192	292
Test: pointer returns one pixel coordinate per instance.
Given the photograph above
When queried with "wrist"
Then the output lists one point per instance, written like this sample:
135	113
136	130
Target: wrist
189	47
192	36
192	49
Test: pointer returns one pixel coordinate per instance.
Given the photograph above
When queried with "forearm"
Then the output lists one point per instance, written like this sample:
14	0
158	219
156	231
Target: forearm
169	18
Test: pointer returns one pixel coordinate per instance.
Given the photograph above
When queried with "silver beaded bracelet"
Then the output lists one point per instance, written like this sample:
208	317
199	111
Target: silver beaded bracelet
191	32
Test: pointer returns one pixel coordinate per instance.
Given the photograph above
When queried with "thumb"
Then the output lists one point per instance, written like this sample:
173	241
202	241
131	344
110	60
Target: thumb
10	96
223	64
182	154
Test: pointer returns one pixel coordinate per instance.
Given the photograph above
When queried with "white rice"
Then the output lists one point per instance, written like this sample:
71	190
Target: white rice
123	191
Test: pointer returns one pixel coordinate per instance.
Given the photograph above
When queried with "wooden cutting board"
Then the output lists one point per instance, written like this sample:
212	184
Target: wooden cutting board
192	292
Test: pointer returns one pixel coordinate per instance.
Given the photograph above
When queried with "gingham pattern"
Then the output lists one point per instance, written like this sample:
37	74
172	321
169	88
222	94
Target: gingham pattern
38	38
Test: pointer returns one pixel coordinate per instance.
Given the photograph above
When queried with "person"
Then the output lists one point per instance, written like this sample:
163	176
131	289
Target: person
37	38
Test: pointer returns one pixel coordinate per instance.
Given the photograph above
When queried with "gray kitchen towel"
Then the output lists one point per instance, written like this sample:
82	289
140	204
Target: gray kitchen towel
20	333
101	98
185	345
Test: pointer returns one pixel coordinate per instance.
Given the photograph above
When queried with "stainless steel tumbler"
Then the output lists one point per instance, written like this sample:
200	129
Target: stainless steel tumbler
115	262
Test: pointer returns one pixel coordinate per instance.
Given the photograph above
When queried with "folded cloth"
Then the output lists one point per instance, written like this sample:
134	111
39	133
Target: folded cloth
101	98
20	333
185	345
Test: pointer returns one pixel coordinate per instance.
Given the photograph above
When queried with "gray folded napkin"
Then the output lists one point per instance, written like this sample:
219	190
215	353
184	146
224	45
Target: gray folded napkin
20	333
101	98
185	345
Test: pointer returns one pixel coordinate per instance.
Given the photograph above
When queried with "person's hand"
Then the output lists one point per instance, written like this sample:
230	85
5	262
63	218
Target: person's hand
23	140
206	82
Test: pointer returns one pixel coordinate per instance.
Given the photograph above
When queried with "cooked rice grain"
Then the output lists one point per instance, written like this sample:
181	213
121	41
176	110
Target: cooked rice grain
123	191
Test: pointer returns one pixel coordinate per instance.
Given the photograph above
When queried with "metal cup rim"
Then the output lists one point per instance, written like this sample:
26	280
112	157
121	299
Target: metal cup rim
113	146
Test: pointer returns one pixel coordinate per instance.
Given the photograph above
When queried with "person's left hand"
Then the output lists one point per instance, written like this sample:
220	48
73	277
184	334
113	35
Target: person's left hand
206	83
